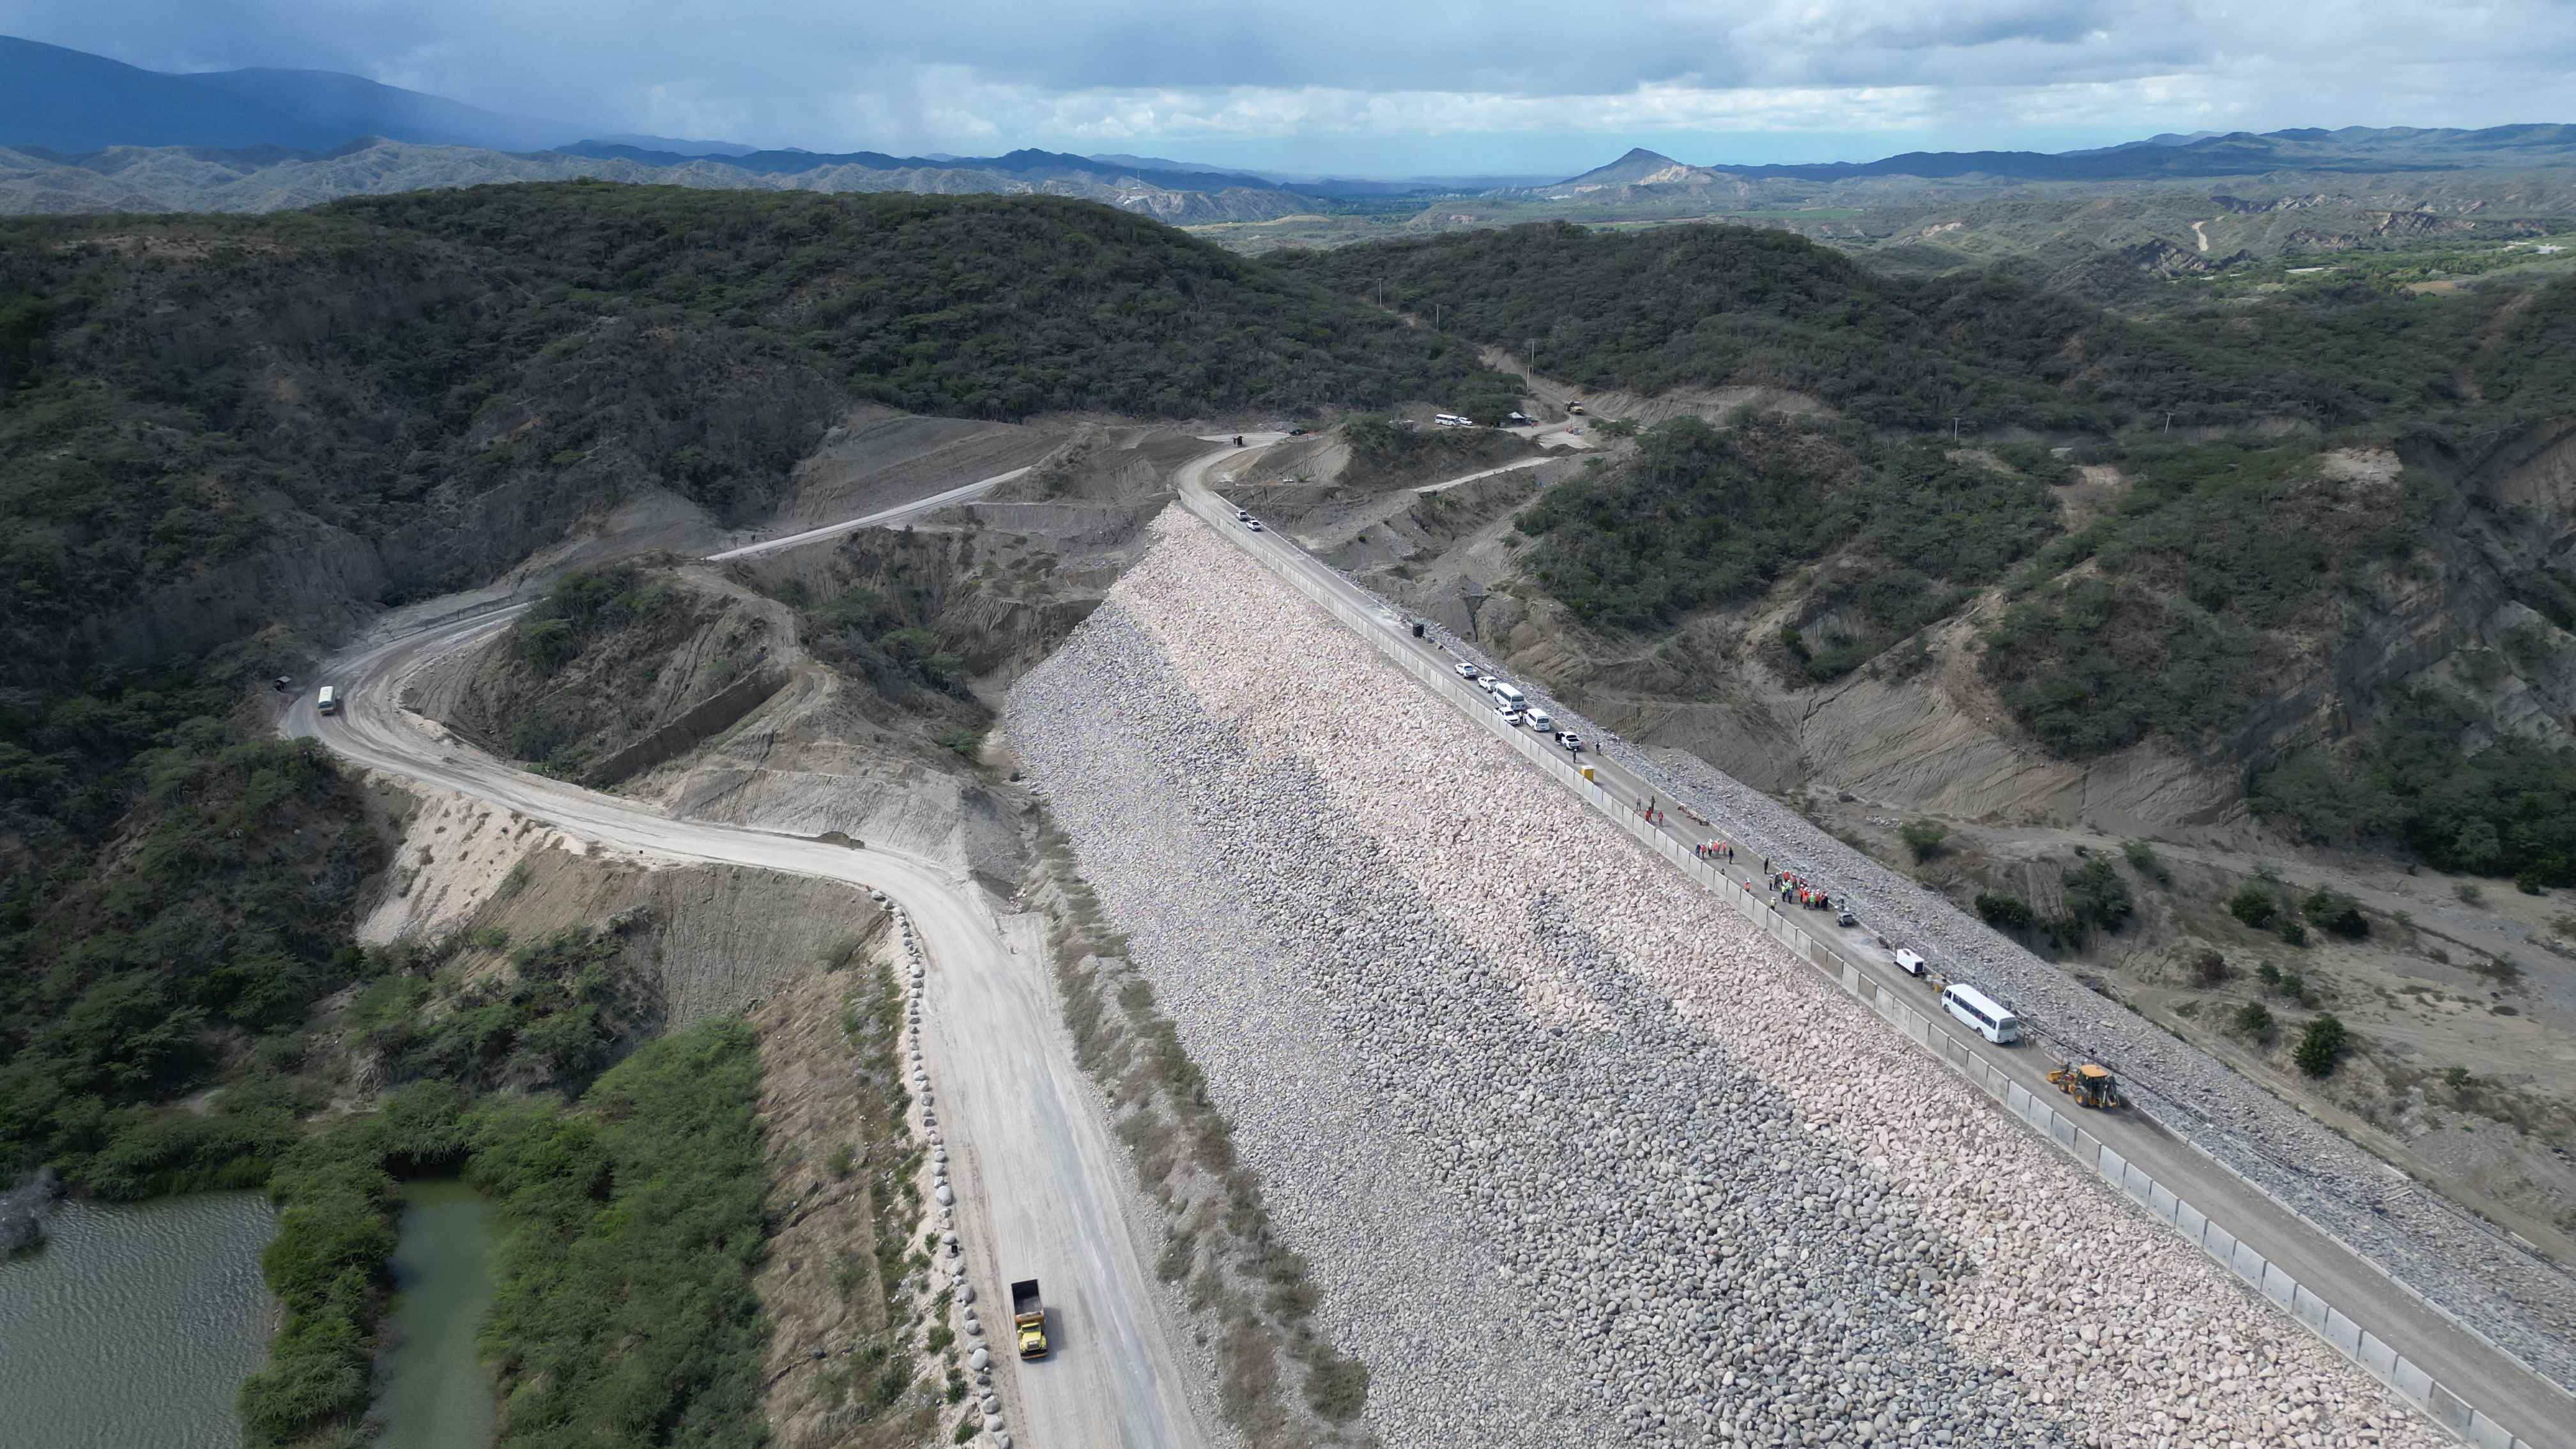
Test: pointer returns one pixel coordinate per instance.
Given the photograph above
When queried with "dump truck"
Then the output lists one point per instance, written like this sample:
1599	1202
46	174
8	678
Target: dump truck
1028	1315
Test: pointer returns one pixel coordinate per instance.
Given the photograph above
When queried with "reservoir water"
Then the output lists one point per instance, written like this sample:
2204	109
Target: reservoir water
432	1393
134	1325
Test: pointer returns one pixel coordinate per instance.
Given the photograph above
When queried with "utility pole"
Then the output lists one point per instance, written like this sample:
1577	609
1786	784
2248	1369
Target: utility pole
2168	424
1954	430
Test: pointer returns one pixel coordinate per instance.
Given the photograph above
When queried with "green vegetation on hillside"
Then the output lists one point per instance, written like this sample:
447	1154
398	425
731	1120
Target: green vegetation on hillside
378	365
982	306
328	1264
593	653
1383	452
1710	306
585	607
2507	810
628	1231
2210	558
557	1017
217	907
1704	517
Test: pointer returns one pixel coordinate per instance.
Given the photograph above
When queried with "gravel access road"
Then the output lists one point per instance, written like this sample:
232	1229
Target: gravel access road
1447	484
1041	1181
881	519
2525	1402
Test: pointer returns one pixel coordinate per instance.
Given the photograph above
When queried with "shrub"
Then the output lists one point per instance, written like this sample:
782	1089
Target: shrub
2469	893
2293	930
2530	882
1923	837
2254	1019
2003	912
2144	860
2096	896
2268	974
968	1428
2457	1078
2322	1046
844	1158
2209	970
2336	913
1337	1387
2253	905
965	743
639	1216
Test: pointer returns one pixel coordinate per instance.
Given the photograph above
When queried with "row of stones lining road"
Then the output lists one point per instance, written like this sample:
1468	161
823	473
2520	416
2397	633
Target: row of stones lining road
970	1327
1576	1154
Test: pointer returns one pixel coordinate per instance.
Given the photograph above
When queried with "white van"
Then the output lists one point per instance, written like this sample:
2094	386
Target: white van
1541	720
1984	1013
327	702
1909	961
1503	691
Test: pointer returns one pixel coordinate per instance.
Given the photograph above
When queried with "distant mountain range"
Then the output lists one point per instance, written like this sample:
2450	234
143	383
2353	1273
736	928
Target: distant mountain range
2358	149
181	178
71	102
1030	164
80	133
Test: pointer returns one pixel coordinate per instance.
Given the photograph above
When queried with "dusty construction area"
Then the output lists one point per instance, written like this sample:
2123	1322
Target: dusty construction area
1574	1155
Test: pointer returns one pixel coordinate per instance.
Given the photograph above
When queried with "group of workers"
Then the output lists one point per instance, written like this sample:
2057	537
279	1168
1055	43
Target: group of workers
1794	891
1714	850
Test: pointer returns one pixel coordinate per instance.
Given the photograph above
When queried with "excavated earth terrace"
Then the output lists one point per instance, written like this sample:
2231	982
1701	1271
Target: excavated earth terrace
1576	1154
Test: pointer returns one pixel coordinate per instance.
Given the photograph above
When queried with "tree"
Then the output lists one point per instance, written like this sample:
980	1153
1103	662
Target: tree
2144	860
2097	896
2255	1020
2322	1045
2003	912
2336	913
2253	905
1924	838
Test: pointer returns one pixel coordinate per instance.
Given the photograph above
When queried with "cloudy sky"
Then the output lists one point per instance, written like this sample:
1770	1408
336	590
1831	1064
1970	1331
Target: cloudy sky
1390	87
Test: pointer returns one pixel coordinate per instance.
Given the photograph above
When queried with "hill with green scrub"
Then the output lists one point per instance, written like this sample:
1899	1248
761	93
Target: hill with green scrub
1717	306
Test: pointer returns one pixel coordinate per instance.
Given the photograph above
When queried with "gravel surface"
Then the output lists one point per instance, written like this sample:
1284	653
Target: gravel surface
1578	1155
2511	1295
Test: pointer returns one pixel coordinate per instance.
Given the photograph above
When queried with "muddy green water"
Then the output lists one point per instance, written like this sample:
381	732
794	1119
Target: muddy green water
432	1394
134	1325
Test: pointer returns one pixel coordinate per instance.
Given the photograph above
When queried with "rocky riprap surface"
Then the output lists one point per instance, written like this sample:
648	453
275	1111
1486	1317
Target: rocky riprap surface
2509	1294
1577	1155
23	1209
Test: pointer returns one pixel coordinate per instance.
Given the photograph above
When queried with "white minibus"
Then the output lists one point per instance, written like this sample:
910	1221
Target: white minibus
327	702
1983	1012
1508	695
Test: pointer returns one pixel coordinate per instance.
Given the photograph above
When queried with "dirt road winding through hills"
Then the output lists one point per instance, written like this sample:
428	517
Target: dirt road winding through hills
1042	1184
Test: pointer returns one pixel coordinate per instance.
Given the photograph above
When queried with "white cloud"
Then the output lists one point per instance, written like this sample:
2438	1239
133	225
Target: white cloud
963	75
